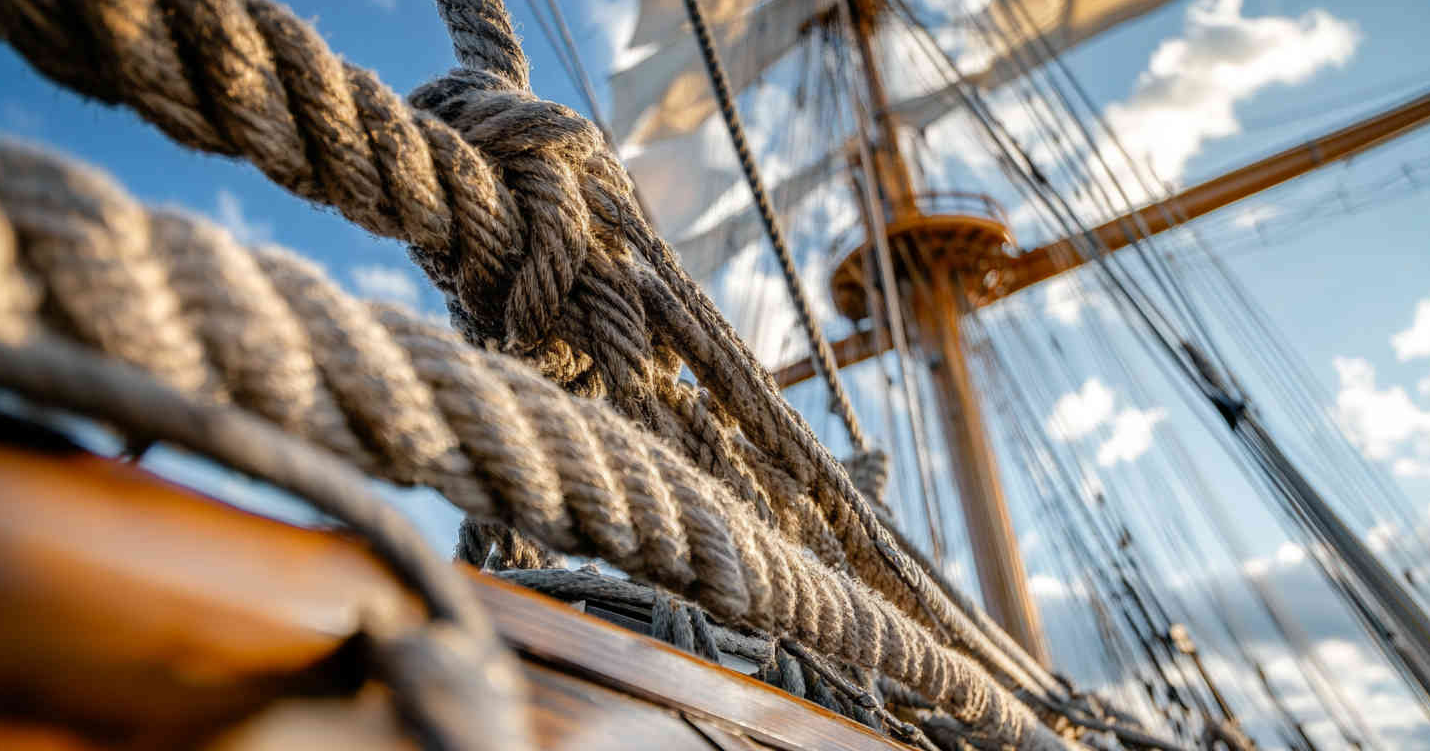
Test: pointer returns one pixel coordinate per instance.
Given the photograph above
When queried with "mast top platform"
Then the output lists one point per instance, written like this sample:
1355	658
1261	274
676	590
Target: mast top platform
960	234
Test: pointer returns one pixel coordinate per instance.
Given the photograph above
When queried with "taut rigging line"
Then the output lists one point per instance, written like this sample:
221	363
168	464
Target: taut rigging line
1405	638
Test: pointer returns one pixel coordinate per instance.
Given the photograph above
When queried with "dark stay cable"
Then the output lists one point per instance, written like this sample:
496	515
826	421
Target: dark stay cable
823	359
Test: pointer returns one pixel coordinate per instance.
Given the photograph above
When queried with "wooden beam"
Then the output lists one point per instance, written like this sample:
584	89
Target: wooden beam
1043	263
855	348
132	608
1050	260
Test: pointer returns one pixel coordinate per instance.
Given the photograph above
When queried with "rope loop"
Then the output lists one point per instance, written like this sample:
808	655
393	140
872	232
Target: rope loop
540	149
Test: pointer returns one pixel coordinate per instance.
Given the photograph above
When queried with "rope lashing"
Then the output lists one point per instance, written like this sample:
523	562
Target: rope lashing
882	562
567	471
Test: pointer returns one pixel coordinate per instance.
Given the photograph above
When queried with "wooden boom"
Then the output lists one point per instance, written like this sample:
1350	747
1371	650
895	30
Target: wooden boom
1045	262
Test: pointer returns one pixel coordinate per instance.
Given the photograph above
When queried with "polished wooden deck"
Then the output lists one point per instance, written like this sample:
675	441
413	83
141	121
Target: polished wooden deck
137	614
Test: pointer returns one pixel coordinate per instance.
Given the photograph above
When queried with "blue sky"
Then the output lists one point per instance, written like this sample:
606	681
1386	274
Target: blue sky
1350	293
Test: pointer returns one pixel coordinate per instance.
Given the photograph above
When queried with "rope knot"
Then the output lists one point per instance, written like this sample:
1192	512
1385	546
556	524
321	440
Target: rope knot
541	150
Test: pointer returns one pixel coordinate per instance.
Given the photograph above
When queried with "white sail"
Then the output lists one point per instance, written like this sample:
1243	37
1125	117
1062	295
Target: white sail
1062	24
668	93
659	21
705	252
677	193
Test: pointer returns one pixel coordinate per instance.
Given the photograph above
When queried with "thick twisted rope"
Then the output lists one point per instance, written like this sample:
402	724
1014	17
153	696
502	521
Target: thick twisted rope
498	439
249	79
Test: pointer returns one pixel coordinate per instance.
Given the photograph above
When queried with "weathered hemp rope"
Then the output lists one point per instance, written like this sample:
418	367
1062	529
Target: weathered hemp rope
529	233
876	554
452	678
422	406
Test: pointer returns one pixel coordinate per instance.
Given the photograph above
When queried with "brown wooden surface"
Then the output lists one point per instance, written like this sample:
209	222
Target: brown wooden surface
137	611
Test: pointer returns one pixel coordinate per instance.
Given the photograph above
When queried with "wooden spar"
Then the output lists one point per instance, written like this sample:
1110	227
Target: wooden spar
1002	578
1001	574
1052	259
134	610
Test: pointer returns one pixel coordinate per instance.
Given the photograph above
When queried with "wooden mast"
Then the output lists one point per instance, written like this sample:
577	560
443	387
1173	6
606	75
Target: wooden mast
933	296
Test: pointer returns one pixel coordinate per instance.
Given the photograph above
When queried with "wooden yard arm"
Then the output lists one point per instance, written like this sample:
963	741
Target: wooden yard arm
1047	261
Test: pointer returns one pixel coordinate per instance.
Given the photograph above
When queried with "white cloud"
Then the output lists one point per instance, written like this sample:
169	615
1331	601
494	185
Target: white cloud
228	211
1192	83
1131	436
1415	341
1381	422
1066	296
1251	216
1080	412
1407	466
1046	587
1290	554
386	283
1062	299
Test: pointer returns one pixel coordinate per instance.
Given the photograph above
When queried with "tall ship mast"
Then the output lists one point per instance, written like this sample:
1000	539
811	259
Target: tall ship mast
719	360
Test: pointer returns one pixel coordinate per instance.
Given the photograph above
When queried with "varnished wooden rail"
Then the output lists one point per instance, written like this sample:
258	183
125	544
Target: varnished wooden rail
138	613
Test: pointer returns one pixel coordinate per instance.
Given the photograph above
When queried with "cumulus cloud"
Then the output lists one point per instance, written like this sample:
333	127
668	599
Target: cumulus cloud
1415	341
1252	216
1077	414
1382	423
1045	587
1352	667
386	283
1186	96
1192	82
1067	295
1131	436
1080	412
228	211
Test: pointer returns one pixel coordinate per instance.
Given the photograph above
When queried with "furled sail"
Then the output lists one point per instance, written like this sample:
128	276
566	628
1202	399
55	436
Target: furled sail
1004	37
1011	29
703	253
659	21
667	93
